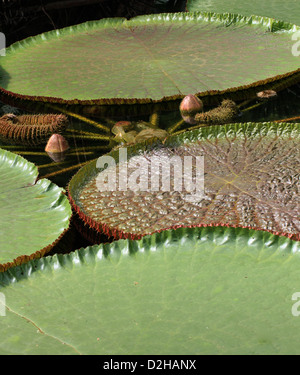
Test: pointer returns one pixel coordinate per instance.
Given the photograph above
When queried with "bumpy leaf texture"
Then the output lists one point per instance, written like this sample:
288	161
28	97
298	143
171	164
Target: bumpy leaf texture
250	178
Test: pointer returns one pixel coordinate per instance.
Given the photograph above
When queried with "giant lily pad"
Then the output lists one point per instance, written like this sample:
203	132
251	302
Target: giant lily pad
251	179
288	10
185	291
33	214
150	59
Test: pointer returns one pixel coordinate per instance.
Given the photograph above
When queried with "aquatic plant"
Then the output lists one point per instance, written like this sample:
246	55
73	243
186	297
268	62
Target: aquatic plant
191	256
31	129
124	64
250	175
224	114
34	215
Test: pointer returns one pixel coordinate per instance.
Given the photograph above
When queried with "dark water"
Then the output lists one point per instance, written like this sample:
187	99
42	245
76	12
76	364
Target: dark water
82	148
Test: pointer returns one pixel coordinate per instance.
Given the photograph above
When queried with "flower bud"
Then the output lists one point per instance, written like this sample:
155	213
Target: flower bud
189	106
57	147
121	126
266	94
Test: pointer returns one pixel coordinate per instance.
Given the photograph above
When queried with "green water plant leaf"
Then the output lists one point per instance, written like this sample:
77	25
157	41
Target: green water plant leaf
249	178
33	214
151	59
288	10
185	291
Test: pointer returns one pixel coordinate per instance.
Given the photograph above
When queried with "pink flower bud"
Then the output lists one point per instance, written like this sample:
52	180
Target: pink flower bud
56	147
189	106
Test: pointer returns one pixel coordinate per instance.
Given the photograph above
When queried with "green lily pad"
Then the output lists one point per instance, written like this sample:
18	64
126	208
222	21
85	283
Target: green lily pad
185	291
288	10
151	59
245	175
33	214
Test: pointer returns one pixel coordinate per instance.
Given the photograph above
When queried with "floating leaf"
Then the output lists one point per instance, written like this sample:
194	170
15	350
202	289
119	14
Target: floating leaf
33	214
151	59
189	291
289	10
251	179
